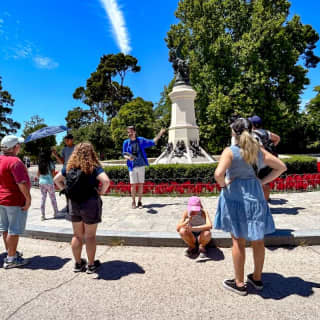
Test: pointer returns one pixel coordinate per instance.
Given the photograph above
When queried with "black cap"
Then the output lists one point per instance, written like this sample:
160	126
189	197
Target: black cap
68	136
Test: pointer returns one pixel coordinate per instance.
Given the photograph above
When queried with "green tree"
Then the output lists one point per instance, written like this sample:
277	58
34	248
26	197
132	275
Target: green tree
98	133
138	113
311	123
7	124
34	148
77	118
102	94
245	57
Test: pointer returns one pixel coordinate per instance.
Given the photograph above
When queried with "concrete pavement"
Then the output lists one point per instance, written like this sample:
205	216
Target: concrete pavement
157	283
296	215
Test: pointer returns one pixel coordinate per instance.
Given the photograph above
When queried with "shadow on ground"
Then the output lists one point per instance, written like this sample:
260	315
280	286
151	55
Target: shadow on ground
214	254
45	263
278	287
274	201
289	211
115	270
158	205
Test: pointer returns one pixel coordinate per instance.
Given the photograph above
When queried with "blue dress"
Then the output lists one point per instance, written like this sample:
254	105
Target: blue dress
242	209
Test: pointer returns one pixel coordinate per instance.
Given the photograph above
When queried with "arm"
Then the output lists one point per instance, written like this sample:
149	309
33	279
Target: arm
224	163
26	192
105	183
274	138
183	222
59	180
278	167
158	136
59	159
205	227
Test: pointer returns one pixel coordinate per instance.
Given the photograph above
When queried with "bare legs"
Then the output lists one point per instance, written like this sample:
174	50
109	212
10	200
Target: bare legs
258	257
239	257
188	237
10	243
83	232
134	188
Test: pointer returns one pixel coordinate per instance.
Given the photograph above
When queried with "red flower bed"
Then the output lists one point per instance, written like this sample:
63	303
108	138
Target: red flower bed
289	183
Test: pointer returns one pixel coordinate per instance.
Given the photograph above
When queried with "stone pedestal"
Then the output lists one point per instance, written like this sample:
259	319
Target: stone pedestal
183	144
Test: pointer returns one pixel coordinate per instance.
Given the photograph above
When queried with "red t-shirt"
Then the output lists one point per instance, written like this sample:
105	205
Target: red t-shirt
12	172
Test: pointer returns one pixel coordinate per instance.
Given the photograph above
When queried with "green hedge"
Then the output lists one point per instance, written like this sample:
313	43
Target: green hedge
300	164
201	172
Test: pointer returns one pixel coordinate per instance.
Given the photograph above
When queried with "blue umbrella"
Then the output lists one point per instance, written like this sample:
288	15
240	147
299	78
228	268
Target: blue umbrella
45	132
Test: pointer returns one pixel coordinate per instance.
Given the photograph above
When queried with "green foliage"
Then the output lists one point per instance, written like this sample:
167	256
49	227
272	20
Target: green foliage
98	133
102	94
34	148
245	58
201	172
7	125
78	117
311	125
300	164
138	113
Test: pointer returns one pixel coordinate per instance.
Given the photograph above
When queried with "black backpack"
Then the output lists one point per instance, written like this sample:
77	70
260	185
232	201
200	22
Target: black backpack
262	137
78	187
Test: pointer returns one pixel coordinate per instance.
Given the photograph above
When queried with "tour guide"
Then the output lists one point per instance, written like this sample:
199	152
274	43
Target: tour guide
134	151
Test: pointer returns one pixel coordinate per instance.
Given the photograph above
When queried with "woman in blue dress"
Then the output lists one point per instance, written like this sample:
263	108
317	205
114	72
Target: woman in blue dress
242	209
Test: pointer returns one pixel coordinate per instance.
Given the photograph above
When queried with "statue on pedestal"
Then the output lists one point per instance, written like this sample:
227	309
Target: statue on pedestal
180	66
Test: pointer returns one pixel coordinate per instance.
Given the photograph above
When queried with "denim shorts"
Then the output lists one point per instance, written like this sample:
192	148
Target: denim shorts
13	220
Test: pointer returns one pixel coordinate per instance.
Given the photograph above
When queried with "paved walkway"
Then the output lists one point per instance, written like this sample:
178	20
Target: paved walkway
292	212
141	283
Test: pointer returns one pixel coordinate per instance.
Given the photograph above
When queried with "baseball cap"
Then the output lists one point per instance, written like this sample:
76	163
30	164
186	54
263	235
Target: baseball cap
255	119
194	204
68	136
9	142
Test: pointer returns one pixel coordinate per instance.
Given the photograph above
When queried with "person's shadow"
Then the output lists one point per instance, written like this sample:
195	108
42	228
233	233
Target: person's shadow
157	205
116	269
290	211
276	286
274	201
45	263
213	254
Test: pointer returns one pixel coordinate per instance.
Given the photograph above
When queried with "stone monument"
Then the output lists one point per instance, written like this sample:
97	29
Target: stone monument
183	145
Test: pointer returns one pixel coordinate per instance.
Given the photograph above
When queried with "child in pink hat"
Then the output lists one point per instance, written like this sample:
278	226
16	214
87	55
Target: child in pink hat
194	228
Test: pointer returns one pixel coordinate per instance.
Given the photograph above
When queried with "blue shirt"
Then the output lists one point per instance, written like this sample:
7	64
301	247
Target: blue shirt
66	153
47	178
143	144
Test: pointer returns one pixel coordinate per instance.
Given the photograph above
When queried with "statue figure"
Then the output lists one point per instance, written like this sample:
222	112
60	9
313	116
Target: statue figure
180	66
195	148
180	149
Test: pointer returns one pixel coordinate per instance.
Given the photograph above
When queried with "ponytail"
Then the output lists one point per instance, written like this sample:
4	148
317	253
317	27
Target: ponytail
249	147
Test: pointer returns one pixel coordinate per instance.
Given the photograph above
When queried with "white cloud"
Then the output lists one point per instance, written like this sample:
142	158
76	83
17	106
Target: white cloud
22	51
118	24
45	62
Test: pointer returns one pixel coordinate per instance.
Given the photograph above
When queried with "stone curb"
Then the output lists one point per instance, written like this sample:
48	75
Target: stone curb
170	239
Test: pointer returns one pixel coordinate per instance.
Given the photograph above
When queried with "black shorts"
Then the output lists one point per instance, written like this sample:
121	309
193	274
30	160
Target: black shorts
264	172
89	211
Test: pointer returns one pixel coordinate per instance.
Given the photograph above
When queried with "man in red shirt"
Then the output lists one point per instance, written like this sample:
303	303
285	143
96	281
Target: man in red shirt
15	199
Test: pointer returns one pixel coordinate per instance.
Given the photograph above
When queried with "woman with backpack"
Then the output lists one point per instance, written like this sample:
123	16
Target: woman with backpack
45	175
84	180
242	209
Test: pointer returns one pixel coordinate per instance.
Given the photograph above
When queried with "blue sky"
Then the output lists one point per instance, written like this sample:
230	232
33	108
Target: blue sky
49	48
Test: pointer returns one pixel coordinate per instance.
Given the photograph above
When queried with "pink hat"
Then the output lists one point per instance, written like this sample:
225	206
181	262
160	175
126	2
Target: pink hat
194	204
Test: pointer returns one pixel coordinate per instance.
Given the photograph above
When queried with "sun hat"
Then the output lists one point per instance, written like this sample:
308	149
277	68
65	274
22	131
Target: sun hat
194	204
10	141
